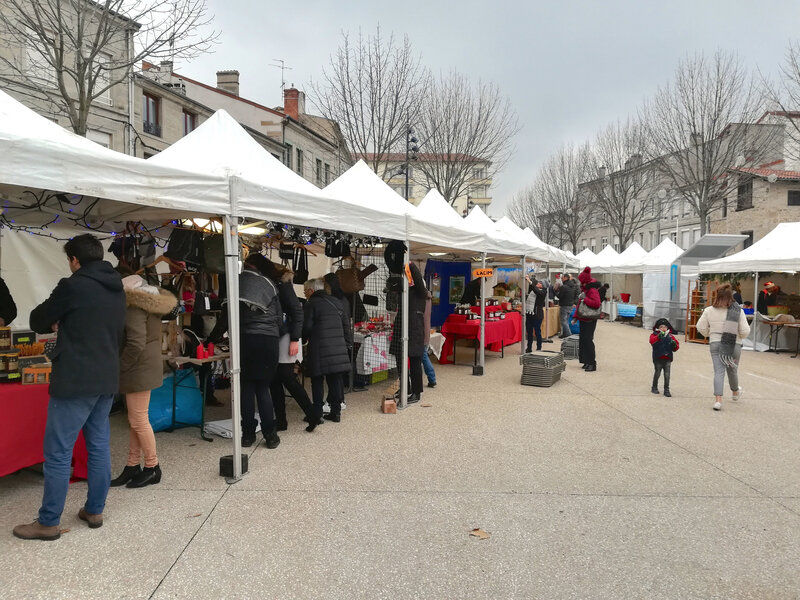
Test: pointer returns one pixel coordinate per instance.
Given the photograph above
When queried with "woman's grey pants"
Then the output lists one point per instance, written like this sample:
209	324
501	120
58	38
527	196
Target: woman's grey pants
720	368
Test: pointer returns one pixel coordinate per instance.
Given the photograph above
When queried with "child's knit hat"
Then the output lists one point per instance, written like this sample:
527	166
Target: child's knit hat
663	321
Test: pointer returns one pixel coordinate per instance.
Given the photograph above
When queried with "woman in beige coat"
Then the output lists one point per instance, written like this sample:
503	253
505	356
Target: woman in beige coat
142	370
725	326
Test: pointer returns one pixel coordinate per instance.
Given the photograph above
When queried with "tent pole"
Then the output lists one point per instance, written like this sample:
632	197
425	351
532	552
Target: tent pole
524	282
231	241
479	369
755	294
404	333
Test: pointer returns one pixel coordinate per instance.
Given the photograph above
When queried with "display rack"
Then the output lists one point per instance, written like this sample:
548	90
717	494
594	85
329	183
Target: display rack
701	294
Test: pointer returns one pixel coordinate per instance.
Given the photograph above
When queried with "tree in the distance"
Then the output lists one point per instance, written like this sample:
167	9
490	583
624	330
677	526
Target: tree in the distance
75	51
701	125
373	88
465	133
552	206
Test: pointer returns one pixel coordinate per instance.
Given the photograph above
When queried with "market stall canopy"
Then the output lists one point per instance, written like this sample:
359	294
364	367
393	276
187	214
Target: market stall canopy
630	259
659	259
497	242
435	227
586	257
376	208
538	249
605	261
779	250
41	155
709	247
261	186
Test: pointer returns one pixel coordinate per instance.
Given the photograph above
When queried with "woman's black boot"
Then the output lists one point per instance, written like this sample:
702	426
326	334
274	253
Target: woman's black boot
127	474
148	476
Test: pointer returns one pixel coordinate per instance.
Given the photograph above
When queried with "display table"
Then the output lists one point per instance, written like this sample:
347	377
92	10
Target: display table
24	409
499	334
551	321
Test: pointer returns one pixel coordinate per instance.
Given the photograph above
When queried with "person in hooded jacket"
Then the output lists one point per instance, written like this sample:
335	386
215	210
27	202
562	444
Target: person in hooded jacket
417	298
291	351
664	346
334	289
88	312
590	296
326	327
567	295
8	309
141	371
260	319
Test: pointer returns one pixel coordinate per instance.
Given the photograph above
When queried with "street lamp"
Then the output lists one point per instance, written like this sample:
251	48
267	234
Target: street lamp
411	153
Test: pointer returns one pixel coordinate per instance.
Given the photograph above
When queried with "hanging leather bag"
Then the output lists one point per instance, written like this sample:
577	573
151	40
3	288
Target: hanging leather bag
214	253
300	266
286	251
185	245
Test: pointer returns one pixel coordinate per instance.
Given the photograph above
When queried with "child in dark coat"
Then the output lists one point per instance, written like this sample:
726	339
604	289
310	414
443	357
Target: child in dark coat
664	344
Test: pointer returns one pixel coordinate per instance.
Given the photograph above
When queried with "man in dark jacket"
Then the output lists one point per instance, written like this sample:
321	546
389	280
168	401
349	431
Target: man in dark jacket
567	296
8	310
327	329
88	312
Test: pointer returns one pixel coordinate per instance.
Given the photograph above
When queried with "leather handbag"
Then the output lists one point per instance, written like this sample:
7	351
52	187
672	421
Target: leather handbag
214	253
588	313
300	266
352	279
286	251
185	245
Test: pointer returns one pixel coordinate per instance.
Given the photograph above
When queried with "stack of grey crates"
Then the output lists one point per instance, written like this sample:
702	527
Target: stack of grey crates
569	347
542	368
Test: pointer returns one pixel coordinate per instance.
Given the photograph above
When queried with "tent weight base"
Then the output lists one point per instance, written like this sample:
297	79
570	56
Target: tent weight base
477	369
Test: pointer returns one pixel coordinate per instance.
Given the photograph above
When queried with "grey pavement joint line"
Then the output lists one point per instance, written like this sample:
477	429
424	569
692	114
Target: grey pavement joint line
687	450
191	539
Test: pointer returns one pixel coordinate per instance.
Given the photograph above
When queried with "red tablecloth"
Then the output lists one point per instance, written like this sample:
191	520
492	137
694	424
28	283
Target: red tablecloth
23	416
498	333
489	309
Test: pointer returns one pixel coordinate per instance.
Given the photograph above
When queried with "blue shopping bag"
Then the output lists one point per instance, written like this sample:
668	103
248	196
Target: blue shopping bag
188	401
574	327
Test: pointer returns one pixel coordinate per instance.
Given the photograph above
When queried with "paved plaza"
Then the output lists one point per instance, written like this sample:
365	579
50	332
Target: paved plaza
594	488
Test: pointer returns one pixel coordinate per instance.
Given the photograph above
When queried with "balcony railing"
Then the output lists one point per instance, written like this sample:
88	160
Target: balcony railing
152	128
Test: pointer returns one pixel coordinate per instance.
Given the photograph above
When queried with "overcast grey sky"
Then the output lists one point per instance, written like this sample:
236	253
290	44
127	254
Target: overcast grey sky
570	67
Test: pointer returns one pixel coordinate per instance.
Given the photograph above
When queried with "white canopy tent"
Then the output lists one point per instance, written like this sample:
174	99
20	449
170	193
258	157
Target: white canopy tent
630	259
605	261
778	251
659	259
439	224
586	258
39	154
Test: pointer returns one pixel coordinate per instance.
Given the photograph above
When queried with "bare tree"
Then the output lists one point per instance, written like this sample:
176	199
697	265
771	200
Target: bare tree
373	88
466	135
552	206
784	95
623	185
72	52
702	125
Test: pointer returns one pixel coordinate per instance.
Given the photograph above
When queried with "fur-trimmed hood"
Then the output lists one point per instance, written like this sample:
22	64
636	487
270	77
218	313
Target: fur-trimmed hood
157	304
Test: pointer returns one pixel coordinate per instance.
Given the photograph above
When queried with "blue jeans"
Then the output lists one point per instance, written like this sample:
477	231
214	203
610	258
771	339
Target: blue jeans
428	366
66	417
564	312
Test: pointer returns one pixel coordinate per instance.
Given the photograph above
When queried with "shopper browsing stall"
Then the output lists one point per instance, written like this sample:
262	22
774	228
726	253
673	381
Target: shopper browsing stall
88	311
8	309
141	371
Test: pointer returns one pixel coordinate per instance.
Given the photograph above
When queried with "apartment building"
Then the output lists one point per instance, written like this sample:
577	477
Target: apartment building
309	144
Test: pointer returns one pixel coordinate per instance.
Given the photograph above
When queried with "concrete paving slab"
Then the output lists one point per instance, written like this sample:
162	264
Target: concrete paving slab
375	545
143	533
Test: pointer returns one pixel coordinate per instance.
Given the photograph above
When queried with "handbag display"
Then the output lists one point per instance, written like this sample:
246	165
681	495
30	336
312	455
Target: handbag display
214	253
300	266
352	279
336	249
185	245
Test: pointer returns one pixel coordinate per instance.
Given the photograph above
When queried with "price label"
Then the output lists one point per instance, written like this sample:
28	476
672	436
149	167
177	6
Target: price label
476	273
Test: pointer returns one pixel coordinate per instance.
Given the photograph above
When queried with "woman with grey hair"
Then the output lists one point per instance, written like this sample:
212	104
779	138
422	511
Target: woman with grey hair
327	329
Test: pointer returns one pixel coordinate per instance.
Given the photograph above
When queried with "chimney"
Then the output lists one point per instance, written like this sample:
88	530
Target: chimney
166	67
294	102
601	173
228	81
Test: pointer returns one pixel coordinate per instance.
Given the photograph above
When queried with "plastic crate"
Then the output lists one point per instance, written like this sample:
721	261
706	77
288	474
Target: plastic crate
379	376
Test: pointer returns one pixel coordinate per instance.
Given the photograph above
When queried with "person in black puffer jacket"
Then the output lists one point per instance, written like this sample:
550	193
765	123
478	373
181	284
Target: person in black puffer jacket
8	309
260	319
417	298
326	327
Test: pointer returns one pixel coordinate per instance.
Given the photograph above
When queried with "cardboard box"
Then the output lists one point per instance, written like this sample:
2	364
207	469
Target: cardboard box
389	406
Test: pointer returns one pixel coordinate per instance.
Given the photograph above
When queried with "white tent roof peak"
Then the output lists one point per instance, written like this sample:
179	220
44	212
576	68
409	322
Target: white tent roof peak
220	145
362	185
